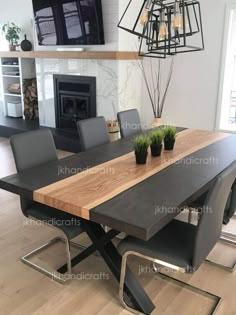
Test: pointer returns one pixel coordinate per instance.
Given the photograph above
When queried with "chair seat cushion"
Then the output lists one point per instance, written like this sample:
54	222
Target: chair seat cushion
174	244
69	224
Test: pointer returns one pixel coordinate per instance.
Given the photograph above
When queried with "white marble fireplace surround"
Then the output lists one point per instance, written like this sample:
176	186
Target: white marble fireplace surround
118	84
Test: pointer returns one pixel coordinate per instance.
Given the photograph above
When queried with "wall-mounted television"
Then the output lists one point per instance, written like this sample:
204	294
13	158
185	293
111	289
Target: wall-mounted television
69	22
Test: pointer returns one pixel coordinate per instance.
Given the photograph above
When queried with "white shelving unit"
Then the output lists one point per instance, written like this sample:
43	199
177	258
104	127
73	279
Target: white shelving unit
24	69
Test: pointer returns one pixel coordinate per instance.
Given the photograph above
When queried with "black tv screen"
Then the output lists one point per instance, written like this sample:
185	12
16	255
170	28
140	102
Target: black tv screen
69	22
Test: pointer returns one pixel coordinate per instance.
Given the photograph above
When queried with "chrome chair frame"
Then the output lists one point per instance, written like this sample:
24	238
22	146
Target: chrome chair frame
229	242
226	235
122	281
54	276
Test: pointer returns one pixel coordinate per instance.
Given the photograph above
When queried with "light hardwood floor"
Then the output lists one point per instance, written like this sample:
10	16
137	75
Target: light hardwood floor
24	291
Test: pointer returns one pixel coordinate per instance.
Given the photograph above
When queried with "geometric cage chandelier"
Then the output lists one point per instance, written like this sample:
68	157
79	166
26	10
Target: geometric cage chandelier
165	28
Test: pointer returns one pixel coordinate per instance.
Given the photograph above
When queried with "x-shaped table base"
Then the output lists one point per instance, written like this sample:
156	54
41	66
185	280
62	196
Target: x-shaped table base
101	242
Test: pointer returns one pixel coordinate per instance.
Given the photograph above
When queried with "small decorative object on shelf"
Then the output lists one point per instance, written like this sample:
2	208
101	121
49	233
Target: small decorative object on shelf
14	88
113	129
11	32
169	133
26	45
141	145
156	138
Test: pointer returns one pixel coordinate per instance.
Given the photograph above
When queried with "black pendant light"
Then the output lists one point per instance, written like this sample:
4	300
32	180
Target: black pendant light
165	28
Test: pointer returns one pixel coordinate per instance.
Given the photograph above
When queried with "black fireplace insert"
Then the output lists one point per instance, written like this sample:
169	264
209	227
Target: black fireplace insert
75	99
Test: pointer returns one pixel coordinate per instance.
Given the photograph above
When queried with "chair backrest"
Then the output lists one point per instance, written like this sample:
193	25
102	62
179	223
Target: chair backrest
210	222
92	132
32	149
130	124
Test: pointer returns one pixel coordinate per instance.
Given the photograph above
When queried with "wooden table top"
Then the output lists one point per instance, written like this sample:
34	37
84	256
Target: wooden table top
82	192
114	191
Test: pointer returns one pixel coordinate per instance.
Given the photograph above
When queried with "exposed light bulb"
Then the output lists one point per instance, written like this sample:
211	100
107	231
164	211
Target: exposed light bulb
178	17
178	22
144	16
163	30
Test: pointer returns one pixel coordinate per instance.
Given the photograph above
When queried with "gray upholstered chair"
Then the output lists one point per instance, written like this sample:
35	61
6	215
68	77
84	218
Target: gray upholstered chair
229	214
130	124
30	150
92	132
180	245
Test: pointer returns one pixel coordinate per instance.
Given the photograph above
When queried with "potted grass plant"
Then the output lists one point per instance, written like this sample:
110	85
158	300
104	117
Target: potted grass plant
141	145
169	133
156	138
12	34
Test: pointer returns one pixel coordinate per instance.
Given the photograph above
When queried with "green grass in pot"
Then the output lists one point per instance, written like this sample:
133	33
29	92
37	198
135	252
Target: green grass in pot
141	144
169	137
156	138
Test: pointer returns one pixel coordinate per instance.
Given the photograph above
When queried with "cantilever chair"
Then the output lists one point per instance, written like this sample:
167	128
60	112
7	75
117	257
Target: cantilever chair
229	214
183	246
130	124
92	132
30	150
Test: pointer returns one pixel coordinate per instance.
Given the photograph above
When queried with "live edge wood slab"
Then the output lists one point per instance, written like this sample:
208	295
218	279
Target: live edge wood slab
137	200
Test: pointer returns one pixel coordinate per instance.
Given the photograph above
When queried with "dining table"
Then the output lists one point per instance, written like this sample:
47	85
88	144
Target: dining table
105	187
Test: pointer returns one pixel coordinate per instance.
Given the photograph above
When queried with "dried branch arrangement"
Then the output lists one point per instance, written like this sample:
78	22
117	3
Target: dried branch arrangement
154	85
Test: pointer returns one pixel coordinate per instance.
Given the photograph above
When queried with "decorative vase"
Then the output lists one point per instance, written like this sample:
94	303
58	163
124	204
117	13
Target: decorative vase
12	47
156	150
141	157
157	122
169	144
26	44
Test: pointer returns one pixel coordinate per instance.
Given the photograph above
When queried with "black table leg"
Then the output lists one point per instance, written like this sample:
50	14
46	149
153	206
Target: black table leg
107	237
102	242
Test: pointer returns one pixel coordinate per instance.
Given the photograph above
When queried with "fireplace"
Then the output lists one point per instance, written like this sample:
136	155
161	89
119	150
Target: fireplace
75	99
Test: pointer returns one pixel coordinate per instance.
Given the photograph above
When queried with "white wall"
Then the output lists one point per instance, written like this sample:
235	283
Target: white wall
19	12
228	79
